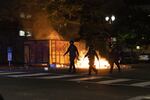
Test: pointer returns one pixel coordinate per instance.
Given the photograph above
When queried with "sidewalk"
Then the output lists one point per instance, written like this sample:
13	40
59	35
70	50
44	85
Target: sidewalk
22	68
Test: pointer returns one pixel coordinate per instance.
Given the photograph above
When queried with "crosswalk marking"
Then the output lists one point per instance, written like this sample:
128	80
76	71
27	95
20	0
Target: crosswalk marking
86	78
141	84
79	77
56	77
6	73
1	71
27	75
113	81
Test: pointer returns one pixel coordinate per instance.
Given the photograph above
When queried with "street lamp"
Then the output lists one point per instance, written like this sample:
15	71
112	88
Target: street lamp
110	19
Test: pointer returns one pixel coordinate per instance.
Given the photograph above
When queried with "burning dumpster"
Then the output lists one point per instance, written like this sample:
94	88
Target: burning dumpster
50	52
59	47
57	50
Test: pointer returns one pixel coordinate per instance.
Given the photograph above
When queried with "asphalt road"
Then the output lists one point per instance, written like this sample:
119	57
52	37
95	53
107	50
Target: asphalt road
19	88
36	89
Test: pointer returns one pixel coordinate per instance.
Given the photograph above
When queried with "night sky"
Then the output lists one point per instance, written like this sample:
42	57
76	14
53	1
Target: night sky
5	3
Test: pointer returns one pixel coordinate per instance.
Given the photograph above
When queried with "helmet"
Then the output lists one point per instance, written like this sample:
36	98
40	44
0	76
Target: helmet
71	40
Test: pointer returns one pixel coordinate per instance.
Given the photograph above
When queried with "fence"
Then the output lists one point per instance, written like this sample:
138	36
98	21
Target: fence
48	52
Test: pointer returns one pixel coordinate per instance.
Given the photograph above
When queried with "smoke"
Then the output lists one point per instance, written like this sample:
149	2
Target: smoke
42	28
36	20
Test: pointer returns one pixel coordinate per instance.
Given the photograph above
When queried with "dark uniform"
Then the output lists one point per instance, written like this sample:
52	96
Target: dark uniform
114	57
91	56
1	97
73	53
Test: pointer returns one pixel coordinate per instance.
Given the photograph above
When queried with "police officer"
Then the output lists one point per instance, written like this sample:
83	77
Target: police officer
91	56
114	57
73	53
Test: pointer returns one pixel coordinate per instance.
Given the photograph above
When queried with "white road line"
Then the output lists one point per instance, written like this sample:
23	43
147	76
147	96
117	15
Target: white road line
141	84
140	98
29	75
112	81
56	77
86	78
5	73
2	71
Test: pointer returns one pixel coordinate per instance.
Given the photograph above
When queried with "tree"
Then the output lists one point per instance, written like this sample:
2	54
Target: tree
65	15
87	15
132	27
131	22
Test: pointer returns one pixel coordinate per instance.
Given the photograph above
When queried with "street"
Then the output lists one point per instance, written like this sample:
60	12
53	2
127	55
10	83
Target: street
35	89
18	85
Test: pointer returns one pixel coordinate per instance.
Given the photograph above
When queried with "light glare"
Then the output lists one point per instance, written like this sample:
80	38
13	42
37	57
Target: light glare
107	18
112	17
21	33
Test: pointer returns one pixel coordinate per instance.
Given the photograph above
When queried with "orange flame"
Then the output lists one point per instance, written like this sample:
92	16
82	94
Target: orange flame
102	63
61	61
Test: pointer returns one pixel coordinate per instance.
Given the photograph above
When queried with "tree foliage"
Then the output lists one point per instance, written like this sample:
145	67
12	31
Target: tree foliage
89	15
132	26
